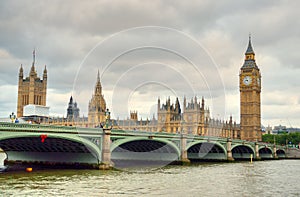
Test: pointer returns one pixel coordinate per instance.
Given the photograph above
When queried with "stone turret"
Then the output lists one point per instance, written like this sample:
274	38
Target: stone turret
21	74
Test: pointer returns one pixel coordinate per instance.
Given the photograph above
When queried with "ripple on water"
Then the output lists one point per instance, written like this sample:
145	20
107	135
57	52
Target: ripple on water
265	178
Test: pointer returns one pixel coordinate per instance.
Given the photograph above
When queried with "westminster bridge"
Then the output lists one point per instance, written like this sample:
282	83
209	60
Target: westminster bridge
102	147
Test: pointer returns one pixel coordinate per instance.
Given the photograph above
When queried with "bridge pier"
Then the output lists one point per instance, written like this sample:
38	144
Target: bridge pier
274	152
106	162
257	157
183	156
229	153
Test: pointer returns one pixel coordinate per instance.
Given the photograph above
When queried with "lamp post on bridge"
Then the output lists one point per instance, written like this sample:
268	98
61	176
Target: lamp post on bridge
107	118
12	117
182	126
228	149
106	162
183	146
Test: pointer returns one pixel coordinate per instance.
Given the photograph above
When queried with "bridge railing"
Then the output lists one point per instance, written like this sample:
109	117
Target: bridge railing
271	145
166	135
142	133
7	126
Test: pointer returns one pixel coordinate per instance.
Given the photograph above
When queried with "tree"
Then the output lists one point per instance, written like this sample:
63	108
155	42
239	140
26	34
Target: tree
282	139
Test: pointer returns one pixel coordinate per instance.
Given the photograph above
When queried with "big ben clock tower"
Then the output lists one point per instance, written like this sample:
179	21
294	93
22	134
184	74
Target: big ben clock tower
250	88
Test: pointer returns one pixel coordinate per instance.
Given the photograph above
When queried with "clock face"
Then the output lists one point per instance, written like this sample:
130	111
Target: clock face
247	80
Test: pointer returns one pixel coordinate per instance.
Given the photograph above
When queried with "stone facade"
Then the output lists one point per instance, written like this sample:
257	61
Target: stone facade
169	116
194	119
194	116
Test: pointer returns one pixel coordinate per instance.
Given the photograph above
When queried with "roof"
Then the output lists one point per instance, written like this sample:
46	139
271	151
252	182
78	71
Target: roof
249	49
249	64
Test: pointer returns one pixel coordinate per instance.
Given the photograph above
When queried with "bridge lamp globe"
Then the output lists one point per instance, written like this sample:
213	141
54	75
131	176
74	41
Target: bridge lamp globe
12	117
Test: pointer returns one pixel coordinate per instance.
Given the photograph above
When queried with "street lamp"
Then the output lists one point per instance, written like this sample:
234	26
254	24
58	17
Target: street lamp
107	118
12	117
182	127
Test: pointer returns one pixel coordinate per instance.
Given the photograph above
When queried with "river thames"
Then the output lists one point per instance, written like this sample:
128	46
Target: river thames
261	178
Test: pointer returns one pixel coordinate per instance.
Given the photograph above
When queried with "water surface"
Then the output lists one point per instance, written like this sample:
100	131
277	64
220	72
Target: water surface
264	178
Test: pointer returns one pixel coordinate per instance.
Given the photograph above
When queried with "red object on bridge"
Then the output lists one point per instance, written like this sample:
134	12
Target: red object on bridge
43	137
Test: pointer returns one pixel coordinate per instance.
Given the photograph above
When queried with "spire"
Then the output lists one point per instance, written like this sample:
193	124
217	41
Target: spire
98	77
45	69
98	88
33	60
177	106
249	49
45	73
33	54
21	72
158	104
32	70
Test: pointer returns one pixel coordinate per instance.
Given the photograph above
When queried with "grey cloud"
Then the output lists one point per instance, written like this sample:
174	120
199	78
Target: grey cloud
63	32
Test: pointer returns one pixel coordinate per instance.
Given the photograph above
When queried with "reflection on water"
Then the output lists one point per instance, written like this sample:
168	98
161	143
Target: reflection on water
265	178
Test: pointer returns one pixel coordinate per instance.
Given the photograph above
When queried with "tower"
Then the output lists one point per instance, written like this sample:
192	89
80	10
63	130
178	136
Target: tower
250	89
32	89
168	116
193	116
73	110
133	115
97	106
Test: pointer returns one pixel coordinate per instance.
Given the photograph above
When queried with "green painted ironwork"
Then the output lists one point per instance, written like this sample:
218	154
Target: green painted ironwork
92	137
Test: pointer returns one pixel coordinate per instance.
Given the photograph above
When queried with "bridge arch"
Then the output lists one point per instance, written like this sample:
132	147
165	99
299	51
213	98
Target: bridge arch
144	149
265	153
242	151
55	149
203	150
280	153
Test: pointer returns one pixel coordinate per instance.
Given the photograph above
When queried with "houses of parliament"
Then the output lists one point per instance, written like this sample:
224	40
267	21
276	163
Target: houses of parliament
192	117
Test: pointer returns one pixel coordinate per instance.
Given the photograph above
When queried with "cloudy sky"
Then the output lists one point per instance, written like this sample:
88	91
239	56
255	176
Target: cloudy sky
149	49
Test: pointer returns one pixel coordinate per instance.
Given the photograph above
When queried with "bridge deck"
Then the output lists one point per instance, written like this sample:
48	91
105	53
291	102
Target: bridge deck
122	144
20	127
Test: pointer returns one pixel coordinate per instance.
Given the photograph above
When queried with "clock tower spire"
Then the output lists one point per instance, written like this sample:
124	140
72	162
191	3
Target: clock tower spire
250	89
